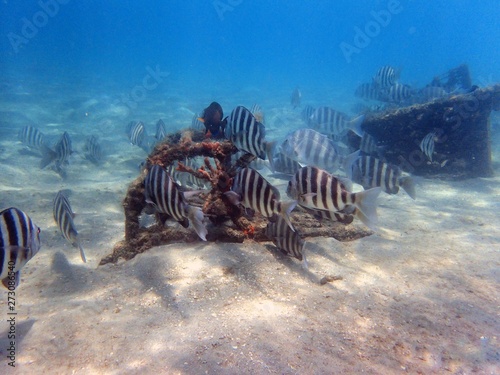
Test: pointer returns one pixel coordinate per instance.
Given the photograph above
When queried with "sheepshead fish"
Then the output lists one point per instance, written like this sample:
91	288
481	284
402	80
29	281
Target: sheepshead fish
253	191
246	133
19	242
63	215
163	194
317	189
286	240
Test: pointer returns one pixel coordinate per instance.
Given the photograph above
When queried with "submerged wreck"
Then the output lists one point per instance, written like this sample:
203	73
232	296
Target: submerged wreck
461	129
460	123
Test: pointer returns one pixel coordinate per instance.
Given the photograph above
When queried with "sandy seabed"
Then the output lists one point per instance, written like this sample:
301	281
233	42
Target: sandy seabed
421	295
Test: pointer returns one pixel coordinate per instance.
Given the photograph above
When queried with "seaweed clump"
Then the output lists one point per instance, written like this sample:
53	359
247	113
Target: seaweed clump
227	222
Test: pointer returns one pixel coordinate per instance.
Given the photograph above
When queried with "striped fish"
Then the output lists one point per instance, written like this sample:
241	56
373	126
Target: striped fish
196	124
368	91
370	172
60	155
280	163
161	130
341	217
31	137
429	93
331	122
307	146
386	76
399	93
19	242
251	190
63	216
317	189
257	112
369	145
245	132
163	194
306	114
187	179
287	241
427	145
92	150
136	133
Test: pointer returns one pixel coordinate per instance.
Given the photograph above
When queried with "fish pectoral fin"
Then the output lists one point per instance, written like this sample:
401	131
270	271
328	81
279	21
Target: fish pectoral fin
10	282
82	253
201	119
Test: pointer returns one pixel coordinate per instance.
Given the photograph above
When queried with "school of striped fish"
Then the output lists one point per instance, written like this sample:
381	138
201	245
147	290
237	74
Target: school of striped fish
319	167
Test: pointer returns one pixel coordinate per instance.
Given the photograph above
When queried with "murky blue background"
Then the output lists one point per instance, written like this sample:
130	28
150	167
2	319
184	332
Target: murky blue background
270	45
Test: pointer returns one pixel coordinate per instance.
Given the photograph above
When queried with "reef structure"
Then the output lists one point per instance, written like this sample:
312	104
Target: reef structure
227	222
461	124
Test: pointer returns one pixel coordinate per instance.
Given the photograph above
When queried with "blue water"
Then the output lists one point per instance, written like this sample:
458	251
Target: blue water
212	45
420	298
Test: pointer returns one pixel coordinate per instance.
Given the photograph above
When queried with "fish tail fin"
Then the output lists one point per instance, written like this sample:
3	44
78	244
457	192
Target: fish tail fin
409	186
348	163
197	218
48	155
285	209
366	202
355	125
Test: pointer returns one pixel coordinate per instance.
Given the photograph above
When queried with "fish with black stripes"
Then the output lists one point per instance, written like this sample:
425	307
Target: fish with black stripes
280	163
386	76
246	133
253	191
399	93
371	172
59	156
289	242
345	216
307	146
161	130
187	179
19	242
429	93
368	91
427	145
63	216
317	189
196	124
369	145
136	133
161	191
307	113
257	112
92	150
331	122
31	137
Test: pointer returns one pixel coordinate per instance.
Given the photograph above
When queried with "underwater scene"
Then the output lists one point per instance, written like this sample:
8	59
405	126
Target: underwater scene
249	187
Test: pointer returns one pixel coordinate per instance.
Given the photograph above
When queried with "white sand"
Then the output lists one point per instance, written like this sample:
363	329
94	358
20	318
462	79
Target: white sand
420	296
